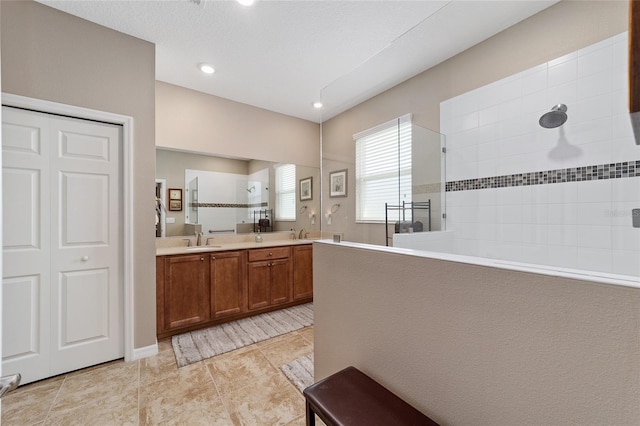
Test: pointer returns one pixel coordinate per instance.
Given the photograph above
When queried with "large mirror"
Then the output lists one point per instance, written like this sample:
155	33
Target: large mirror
222	195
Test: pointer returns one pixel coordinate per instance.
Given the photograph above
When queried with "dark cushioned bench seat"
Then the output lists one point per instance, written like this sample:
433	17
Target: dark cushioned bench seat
350	397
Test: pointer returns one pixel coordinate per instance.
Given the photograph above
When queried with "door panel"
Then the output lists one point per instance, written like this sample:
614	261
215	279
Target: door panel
62	244
87	303
85	307
26	312
84	218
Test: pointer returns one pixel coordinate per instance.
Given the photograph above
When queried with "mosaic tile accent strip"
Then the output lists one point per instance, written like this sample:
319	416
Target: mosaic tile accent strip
573	174
229	205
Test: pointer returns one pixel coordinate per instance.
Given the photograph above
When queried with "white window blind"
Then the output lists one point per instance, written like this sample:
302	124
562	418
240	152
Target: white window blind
383	168
286	192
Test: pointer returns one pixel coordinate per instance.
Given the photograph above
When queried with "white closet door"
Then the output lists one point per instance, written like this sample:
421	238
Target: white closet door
26	244
82	215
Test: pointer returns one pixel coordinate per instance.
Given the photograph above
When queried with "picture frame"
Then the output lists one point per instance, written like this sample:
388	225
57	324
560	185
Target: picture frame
338	183
175	199
306	189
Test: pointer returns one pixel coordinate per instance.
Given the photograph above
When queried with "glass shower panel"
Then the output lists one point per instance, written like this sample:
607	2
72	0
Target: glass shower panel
192	211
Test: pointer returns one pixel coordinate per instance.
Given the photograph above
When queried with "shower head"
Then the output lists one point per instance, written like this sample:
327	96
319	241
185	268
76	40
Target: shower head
554	118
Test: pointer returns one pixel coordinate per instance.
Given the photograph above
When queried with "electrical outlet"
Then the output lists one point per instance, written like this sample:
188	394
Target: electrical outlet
171	220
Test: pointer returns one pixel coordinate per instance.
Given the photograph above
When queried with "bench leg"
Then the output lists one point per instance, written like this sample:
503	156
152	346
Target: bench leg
311	416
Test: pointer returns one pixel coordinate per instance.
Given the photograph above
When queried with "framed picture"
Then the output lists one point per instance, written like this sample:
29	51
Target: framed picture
175	199
338	183
306	189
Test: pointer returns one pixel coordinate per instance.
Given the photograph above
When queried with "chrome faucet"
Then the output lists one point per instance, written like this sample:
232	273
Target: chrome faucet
209	238
199	238
188	240
293	234
300	235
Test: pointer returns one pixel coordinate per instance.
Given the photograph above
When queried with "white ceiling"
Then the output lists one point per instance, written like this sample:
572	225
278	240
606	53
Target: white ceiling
283	55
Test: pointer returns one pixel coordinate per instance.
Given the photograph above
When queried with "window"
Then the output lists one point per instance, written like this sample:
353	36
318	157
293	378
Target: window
383	168
286	192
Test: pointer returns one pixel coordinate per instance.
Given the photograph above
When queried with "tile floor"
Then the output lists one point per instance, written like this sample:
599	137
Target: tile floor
243	387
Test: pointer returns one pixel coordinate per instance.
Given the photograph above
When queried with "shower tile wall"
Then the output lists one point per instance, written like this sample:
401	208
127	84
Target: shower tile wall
493	132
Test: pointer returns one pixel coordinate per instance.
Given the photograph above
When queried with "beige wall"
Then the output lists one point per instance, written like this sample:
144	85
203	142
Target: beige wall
50	55
198	122
560	29
476	345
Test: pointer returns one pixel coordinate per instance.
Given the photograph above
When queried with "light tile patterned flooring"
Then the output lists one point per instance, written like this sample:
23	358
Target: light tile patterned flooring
243	387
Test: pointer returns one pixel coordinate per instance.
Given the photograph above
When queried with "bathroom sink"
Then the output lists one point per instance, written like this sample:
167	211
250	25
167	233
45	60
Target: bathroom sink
202	248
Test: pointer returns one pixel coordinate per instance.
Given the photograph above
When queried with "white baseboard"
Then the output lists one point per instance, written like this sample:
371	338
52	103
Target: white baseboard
145	352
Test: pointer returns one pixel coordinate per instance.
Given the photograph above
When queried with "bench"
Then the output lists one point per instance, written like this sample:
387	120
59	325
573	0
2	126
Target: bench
350	397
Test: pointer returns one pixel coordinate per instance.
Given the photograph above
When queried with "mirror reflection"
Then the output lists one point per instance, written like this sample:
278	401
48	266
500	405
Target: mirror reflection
231	196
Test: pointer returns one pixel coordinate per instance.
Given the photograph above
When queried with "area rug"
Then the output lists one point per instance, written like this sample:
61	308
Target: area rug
206	343
300	372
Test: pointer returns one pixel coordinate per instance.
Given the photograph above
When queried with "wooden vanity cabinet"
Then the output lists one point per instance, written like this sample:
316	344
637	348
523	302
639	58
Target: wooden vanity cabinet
200	290
269	277
302	272
186	291
226	274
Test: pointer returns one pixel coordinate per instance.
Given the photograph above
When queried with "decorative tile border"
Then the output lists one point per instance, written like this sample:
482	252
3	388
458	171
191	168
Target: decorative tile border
229	205
573	174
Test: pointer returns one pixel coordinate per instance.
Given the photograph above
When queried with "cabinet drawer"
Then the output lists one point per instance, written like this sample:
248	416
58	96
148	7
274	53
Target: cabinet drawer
268	253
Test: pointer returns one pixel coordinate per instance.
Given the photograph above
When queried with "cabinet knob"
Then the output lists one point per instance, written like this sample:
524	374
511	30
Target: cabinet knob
270	254
202	259
213	258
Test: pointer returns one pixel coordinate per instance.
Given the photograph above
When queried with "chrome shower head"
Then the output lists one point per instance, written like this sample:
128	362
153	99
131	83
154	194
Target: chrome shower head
554	118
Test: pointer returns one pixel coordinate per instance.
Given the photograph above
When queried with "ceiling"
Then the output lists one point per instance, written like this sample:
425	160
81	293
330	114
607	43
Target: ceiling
284	55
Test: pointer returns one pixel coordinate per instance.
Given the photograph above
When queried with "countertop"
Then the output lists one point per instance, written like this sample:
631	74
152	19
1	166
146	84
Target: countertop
167	251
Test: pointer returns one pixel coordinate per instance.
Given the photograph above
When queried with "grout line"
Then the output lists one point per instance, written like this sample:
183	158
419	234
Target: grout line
55	399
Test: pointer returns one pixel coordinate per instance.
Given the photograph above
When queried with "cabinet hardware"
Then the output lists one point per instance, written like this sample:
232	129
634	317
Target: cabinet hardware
213	258
202	259
270	254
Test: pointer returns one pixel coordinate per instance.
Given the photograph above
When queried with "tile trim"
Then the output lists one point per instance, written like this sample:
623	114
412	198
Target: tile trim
572	174
229	205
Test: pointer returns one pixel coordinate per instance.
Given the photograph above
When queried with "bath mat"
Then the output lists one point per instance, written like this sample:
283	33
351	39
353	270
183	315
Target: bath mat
206	343
300	372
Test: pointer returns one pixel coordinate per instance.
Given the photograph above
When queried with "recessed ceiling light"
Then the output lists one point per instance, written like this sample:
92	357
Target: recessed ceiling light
317	105
206	68
246	2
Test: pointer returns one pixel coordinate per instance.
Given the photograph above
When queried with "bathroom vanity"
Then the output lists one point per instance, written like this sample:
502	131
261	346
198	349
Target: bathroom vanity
197	287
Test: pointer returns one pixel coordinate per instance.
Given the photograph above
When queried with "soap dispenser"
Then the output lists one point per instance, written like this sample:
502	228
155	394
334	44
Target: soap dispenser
258	237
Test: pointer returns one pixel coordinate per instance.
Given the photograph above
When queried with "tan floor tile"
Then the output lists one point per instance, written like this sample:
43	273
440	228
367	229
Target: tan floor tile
239	369
165	345
192	390
30	403
211	413
158	367
97	384
307	334
270	401
117	409
287	349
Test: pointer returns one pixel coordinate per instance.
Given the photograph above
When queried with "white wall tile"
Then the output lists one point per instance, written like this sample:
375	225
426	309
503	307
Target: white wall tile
595	236
562	235
494	131
596	61
595	214
626	262
593	259
563	73
594	191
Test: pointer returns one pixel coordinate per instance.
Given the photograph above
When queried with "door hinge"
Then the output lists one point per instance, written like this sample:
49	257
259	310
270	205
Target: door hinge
444	215
444	150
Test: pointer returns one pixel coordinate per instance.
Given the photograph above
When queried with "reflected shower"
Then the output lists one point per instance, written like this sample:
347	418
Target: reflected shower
554	118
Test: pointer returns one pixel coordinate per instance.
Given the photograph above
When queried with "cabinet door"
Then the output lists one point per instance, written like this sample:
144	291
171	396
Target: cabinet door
259	284
227	282
302	272
186	291
280	281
